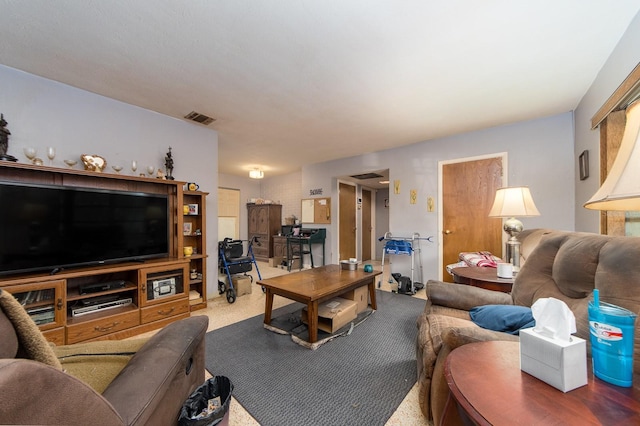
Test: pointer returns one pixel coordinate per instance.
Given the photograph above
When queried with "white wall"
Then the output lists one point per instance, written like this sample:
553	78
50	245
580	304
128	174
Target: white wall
382	220
621	62
285	190
540	155
44	113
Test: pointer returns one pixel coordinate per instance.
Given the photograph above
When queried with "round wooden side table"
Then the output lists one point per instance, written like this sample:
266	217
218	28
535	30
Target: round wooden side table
489	388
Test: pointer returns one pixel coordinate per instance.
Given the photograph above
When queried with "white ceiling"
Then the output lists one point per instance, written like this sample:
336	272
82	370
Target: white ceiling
293	82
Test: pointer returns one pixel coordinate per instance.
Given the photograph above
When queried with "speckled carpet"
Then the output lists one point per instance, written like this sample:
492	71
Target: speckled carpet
358	378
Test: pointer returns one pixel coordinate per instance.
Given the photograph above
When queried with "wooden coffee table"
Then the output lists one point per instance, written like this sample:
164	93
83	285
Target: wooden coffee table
488	386
314	286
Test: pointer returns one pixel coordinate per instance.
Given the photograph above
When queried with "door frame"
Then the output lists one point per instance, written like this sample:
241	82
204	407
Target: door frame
505	182
372	217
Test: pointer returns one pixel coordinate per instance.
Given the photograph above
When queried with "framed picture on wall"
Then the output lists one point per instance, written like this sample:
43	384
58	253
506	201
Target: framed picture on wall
583	161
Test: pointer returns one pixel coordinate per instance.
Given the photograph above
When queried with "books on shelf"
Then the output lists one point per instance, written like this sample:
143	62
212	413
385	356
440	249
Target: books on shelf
42	315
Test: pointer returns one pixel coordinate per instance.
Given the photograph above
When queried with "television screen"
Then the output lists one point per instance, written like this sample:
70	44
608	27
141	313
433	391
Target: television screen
46	227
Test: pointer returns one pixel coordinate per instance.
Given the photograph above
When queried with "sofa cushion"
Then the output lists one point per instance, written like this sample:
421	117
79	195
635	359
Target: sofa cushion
507	318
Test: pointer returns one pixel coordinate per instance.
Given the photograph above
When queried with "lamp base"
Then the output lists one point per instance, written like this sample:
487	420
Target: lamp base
512	253
513	227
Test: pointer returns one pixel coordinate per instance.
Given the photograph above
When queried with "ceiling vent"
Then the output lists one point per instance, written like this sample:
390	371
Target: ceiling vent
366	176
199	118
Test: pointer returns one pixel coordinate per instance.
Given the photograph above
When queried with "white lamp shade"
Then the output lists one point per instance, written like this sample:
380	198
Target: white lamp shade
621	188
513	202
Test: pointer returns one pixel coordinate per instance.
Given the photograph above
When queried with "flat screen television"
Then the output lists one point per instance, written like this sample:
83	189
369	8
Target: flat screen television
49	228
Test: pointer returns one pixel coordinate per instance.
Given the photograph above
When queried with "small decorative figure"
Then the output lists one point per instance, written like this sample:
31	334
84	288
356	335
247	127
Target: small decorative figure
4	141
160	174
168	163
93	163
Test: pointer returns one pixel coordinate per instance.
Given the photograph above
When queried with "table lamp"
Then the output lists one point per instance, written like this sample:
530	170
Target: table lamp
512	202
621	189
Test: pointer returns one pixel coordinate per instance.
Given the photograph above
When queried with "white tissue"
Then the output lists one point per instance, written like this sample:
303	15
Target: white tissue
553	318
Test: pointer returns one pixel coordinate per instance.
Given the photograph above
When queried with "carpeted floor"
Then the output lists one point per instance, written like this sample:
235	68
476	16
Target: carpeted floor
359	379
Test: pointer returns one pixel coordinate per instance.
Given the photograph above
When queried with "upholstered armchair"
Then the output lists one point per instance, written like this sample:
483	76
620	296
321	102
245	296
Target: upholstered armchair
564	265
130	382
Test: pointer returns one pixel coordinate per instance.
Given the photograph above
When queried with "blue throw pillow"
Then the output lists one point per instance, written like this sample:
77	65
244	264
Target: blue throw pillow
507	318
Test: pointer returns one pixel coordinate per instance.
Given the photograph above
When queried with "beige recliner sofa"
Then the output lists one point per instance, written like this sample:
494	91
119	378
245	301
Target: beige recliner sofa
130	382
564	265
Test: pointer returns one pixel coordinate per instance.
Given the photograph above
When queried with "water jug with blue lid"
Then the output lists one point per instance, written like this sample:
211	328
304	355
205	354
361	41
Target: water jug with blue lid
611	330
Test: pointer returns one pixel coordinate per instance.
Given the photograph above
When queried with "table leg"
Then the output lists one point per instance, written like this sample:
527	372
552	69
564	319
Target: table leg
312	310
372	294
268	306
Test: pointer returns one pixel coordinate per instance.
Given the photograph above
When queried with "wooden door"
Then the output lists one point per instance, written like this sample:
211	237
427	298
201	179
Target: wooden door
347	228
468	191
367	229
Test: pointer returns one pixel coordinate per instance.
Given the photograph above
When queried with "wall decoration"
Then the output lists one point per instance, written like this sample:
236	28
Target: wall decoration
583	161
316	210
430	204
413	196
396	186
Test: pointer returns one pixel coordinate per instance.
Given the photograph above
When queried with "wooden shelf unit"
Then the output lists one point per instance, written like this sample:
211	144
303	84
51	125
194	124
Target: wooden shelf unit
195	218
51	299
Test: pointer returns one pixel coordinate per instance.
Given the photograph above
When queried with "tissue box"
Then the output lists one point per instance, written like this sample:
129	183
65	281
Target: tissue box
561	364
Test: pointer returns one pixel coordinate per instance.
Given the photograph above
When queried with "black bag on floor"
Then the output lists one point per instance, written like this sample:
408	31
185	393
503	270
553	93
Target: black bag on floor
404	284
195	409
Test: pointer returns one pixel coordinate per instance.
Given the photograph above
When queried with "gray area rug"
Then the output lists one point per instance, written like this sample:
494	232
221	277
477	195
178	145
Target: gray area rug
359	378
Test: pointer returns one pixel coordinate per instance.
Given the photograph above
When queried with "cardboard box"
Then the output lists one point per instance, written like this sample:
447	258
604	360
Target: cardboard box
561	364
242	285
360	296
333	314
275	261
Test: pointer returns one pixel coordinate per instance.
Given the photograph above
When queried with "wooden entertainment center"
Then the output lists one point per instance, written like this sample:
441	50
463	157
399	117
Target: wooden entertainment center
158	289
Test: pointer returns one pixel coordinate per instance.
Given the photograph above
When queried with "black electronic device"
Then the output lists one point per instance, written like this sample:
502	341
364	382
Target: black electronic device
164	284
51	227
103	286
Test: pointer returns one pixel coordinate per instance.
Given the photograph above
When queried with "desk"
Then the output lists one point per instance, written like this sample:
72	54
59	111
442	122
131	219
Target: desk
314	286
488	386
307	237
482	277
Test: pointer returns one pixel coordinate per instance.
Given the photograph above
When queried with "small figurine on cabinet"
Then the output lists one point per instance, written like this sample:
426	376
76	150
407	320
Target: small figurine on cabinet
168	163
4	141
160	174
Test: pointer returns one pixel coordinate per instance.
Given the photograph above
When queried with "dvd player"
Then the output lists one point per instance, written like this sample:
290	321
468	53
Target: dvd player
104	286
89	309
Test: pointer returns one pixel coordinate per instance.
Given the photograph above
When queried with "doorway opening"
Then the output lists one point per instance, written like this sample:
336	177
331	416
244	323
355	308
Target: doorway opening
363	214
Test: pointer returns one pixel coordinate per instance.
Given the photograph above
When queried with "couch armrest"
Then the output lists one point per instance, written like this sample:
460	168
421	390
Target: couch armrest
153	386
455	337
35	393
465	297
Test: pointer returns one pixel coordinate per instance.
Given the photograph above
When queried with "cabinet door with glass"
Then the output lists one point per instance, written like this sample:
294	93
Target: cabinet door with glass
43	301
